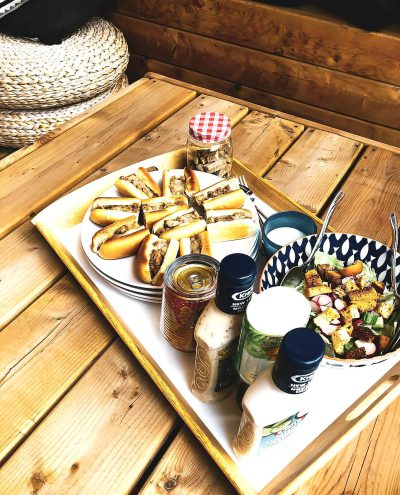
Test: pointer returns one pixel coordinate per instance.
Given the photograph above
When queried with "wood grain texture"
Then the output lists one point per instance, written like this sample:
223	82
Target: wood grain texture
186	469
42	354
28	267
293	33
140	65
172	133
372	192
60	164
313	167
336	91
283	115
99	439
377	473
26	150
261	139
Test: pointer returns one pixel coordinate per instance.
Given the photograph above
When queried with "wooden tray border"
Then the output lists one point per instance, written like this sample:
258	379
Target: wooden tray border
324	447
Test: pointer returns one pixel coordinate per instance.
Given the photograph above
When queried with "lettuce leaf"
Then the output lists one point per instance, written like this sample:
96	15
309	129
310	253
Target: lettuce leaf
322	258
369	272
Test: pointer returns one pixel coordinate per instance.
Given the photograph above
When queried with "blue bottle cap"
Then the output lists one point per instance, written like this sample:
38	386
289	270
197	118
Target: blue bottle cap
238	269
300	354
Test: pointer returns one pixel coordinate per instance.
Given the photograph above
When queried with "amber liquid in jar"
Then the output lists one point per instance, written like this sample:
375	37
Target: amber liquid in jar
189	283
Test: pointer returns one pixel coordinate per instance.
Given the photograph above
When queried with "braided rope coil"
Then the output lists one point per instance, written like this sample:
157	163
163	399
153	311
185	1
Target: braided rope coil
22	127
33	75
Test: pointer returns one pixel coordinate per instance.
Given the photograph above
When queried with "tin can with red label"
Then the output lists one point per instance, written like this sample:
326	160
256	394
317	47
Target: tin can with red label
189	283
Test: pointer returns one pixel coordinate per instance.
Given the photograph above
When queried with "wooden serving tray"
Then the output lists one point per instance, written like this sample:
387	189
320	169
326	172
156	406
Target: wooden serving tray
381	389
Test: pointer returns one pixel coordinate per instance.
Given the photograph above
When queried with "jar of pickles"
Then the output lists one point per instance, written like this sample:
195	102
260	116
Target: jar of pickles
209	145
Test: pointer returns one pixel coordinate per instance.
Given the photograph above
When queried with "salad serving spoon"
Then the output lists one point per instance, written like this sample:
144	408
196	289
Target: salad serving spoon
393	285
295	275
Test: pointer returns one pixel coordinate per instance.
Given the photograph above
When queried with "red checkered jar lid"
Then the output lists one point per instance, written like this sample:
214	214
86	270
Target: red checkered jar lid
210	127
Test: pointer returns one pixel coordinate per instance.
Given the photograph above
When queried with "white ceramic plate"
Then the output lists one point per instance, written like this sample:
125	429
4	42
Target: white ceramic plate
122	270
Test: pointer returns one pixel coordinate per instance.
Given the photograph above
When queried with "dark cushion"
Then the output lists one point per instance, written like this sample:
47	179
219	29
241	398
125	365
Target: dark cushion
50	20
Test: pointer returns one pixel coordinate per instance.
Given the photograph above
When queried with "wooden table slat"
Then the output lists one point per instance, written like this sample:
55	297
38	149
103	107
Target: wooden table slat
313	167
99	439
372	193
28	266
43	353
40	177
185	468
261	139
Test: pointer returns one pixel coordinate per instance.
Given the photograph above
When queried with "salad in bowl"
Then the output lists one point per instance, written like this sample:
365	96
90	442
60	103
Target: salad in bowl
348	286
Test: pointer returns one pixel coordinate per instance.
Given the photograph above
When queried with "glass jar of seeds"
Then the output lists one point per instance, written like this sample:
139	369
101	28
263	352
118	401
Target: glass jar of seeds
209	145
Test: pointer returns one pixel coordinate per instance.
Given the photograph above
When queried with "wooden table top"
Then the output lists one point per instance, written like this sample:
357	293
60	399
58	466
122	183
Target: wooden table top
79	415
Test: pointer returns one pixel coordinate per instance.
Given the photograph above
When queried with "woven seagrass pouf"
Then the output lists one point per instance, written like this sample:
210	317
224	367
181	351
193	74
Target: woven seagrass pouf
22	127
37	76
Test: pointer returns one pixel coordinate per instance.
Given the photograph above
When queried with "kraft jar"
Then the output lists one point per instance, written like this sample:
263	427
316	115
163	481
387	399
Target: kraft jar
190	282
209	145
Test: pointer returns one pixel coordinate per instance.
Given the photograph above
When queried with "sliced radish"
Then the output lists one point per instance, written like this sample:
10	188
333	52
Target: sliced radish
329	329
335	322
340	304
346	279
324	300
370	347
315	307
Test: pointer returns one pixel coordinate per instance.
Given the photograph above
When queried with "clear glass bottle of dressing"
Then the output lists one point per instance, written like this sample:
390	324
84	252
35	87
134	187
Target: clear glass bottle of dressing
217	330
279	398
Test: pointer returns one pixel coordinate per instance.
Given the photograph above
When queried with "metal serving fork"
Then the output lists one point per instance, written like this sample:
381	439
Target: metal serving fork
246	189
295	275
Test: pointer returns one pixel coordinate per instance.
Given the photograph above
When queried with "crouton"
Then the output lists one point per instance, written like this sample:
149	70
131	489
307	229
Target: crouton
361	281
364	334
381	342
349	313
365	299
350	285
324	319
378	286
356	353
322	269
339	291
385	309
333	277
314	285
340	337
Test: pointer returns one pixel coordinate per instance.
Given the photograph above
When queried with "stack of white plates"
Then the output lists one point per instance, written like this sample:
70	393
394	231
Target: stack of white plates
121	273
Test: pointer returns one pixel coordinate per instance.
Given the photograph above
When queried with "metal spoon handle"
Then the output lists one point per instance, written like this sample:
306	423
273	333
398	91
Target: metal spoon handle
336	200
395	244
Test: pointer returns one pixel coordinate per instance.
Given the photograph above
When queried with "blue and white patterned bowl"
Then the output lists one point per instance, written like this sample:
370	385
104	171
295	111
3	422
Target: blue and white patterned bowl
347	248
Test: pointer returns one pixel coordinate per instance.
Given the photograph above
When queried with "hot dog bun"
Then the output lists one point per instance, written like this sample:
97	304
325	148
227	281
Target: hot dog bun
155	209
230	224
186	223
109	210
123	246
114	229
198	244
164	254
222	194
140	184
178	181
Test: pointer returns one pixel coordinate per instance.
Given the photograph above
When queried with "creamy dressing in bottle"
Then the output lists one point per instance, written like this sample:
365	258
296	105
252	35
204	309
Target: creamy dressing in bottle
217	330
279	399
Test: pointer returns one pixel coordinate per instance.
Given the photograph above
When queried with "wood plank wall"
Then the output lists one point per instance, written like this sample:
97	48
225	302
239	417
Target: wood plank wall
301	61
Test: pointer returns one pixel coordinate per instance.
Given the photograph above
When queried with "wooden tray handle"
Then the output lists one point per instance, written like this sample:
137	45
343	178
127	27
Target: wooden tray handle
337	435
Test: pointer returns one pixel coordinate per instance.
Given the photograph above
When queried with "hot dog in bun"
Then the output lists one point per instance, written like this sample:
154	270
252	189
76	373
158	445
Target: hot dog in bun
178	181
140	184
230	224
197	244
186	223
155	209
221	195
109	210
153	258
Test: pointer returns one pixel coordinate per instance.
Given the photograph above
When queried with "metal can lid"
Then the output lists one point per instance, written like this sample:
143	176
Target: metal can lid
194	278
210	127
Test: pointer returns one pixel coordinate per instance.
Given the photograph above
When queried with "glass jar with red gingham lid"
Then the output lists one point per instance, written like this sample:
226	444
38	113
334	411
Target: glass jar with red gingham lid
209	145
